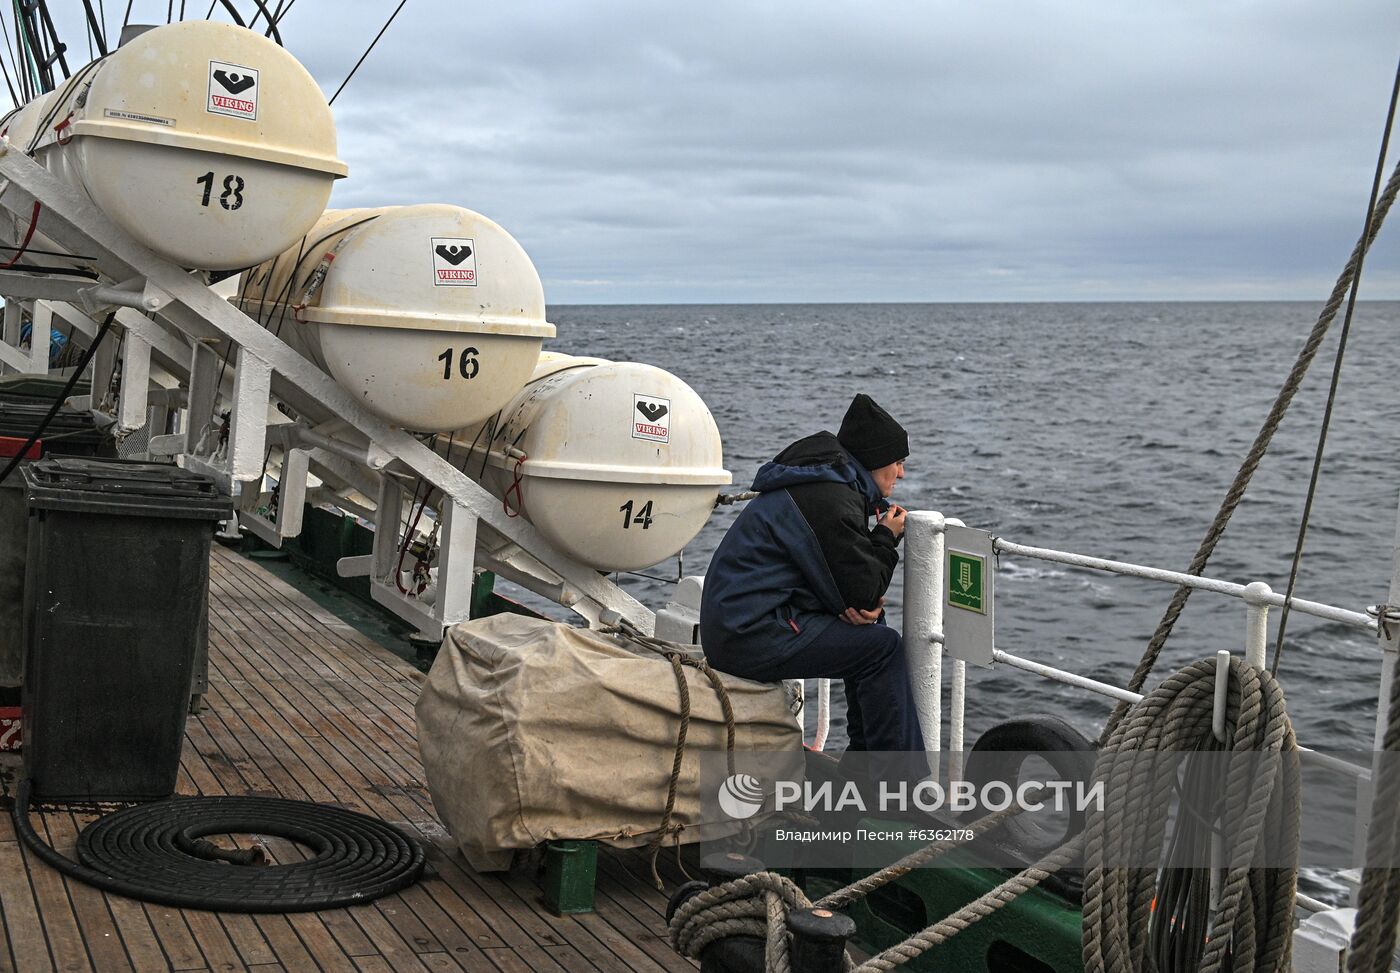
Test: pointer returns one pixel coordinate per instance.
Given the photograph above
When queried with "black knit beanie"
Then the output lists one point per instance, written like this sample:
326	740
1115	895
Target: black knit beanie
871	435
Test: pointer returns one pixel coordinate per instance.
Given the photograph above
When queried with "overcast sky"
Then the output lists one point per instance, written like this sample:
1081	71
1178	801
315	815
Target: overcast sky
757	150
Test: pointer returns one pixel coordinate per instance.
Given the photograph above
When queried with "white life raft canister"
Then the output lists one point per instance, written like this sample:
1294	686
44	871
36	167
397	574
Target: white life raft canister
433	315
618	464
208	143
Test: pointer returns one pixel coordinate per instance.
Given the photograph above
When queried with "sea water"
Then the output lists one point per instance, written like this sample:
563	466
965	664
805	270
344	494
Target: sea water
1105	429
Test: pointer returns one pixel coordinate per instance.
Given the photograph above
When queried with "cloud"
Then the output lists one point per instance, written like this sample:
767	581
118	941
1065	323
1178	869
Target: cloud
752	150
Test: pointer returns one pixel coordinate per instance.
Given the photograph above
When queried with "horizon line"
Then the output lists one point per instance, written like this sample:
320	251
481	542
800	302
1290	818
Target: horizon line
776	303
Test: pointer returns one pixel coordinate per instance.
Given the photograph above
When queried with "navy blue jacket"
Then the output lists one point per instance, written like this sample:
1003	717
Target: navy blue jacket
797	557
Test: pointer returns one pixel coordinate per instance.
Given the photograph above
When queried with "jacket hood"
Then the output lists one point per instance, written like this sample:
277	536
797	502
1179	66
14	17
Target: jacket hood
815	459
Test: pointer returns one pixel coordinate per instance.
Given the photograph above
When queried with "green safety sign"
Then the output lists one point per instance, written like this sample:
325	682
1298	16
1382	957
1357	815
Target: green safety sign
966	588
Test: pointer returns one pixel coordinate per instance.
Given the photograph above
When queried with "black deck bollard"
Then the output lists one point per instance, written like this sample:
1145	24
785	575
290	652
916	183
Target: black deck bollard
725	866
819	940
732	954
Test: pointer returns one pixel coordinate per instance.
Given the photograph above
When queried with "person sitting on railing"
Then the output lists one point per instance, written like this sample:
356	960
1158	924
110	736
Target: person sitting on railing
796	588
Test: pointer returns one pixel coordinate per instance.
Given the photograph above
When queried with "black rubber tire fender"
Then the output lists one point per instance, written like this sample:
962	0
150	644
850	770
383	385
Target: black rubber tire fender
1000	754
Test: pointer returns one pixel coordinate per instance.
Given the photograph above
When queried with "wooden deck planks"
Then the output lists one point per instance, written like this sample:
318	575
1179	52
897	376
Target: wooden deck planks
303	706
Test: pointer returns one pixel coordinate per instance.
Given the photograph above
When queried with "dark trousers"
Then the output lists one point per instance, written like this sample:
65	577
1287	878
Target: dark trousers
880	712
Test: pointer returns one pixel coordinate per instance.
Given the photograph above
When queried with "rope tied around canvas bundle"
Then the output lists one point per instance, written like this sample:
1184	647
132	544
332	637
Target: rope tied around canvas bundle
679	659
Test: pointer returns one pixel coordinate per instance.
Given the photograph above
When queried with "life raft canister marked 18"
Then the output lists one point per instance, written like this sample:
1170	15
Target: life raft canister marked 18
172	138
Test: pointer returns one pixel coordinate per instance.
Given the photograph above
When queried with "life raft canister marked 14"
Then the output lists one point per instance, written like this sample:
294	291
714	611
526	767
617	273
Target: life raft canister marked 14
566	454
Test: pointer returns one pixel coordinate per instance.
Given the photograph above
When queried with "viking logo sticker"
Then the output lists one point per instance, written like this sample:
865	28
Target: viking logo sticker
233	90
454	262
651	418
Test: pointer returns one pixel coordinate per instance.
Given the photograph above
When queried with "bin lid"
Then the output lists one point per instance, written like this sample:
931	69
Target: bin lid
93	485
70	430
40	388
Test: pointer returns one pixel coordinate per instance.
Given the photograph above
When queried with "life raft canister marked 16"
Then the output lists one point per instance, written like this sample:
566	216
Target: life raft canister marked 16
233	90
454	262
651	418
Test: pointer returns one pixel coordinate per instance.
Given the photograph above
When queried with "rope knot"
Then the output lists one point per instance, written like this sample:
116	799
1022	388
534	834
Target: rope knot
1385	616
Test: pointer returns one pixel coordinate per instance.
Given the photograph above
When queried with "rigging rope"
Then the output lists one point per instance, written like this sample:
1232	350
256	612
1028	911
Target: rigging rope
757	905
1336	376
1257	450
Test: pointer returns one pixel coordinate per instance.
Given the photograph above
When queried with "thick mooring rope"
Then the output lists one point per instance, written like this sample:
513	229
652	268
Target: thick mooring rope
1259	448
975	911
757	905
1251	928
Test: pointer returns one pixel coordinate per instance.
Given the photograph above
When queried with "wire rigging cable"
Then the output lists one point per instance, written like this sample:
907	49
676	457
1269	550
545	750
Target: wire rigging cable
1336	376
97	32
272	30
232	11
18	90
366	53
1260	446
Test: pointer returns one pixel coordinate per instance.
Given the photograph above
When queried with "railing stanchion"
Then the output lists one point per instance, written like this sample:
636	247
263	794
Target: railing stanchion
1217	727
923	616
1257	597
1222	694
1389	637
956	706
823	714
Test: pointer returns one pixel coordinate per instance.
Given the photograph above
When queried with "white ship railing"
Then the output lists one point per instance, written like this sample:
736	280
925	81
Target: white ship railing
924	593
924	599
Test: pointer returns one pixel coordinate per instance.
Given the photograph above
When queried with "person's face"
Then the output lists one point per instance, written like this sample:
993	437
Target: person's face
886	476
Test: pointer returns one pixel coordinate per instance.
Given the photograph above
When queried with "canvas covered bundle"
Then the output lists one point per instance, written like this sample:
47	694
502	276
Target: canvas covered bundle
532	730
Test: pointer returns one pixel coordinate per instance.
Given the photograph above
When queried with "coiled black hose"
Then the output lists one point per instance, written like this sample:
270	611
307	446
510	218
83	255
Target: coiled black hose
156	853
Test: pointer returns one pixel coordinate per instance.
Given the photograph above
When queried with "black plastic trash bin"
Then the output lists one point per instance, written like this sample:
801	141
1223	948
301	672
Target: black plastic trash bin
116	586
71	433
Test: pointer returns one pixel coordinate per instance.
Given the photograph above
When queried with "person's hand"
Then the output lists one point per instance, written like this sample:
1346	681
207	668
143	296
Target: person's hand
893	519
856	616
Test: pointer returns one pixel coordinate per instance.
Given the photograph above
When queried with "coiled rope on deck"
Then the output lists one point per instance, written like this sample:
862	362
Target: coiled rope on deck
1251	927
156	853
